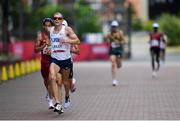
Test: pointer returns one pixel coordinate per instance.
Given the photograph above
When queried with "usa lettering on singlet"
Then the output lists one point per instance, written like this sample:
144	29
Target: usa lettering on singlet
60	51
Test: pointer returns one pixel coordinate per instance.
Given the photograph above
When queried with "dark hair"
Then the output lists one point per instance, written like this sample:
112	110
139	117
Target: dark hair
47	19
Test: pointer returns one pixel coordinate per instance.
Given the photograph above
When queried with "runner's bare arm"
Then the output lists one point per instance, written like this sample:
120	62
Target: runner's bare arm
75	49
108	38
38	47
121	37
73	39
164	38
149	38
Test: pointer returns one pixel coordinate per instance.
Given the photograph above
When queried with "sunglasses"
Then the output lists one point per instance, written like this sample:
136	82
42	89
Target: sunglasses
57	18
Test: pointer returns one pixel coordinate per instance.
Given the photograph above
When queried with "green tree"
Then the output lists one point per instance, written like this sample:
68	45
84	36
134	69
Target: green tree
86	19
28	20
42	12
47	11
170	25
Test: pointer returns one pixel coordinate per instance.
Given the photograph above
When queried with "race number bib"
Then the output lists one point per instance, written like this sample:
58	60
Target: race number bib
47	50
154	43
114	45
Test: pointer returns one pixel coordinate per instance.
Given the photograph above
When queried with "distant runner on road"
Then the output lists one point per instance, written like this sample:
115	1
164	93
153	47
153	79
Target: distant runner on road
116	40
156	38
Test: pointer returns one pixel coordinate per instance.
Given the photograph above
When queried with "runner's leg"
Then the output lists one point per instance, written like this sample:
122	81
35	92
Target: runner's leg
114	69
65	79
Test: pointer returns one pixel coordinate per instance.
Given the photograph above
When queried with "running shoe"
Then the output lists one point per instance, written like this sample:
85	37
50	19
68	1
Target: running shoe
50	103
154	74
67	102
115	83
58	108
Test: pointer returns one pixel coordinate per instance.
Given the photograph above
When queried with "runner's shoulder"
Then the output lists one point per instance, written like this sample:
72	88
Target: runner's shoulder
68	28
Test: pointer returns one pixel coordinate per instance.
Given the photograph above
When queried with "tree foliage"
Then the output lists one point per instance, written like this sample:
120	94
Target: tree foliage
80	17
170	25
86	19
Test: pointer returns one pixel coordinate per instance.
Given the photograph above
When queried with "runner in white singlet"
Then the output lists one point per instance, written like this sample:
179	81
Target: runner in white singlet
62	38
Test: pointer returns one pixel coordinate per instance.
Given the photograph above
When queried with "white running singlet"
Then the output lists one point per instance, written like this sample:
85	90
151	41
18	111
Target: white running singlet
59	51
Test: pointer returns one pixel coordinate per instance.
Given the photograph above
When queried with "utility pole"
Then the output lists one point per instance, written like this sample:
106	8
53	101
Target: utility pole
124	16
129	28
5	32
21	19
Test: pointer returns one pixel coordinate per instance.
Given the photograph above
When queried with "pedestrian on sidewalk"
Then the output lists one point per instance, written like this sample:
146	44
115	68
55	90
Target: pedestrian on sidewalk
116	41
156	38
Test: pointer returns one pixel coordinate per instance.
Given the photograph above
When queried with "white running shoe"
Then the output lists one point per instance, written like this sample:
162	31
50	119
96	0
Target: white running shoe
51	104
67	103
154	74
49	101
58	108
115	83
